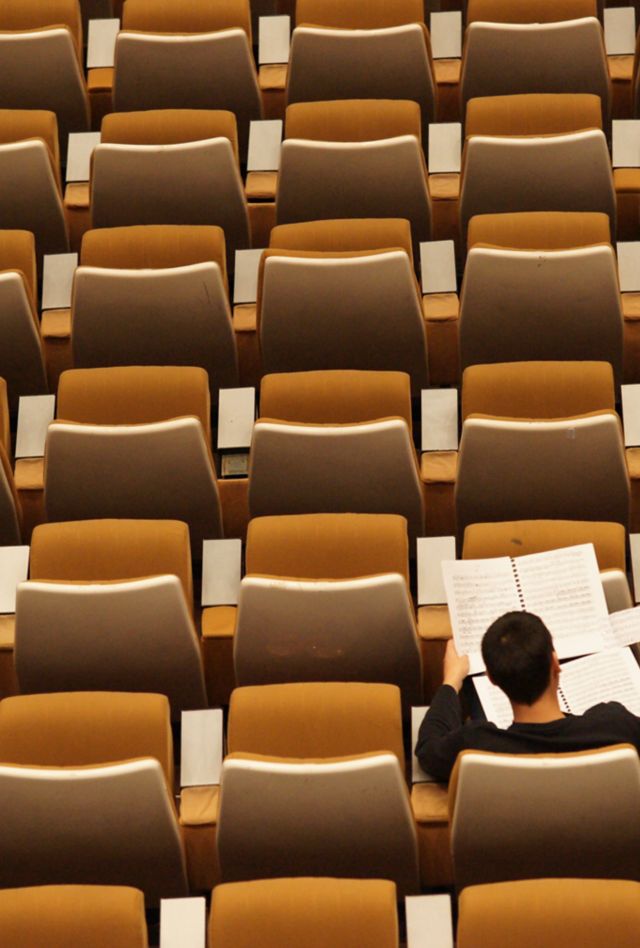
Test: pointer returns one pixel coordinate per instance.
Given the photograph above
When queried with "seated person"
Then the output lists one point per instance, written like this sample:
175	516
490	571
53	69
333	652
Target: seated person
517	650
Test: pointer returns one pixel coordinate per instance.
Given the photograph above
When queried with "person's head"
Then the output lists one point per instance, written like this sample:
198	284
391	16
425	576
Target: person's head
517	650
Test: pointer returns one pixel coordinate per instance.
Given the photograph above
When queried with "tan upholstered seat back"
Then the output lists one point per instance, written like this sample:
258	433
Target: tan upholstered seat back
352	120
342	236
21	354
22	124
18	252
539	230
315	719
328	546
38	14
532	114
189	16
60	915
105	550
79	729
359	15
169	127
533	11
286	913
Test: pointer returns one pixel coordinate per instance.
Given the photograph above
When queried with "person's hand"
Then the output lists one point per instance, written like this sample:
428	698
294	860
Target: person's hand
456	667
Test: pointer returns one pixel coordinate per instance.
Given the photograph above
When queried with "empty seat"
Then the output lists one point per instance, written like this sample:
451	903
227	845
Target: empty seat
30	191
41	55
539	230
341	308
540	913
86	785
21	356
508	813
296	787
62	915
170	167
193	55
356	158
149	428
336	442
153	295
532	114
326	598
320	913
10	509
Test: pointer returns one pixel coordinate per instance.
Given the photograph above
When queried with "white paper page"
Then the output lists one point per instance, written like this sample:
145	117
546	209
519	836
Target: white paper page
564	588
101	43
429	923
14	569
274	35
182	923
478	592
631	414
265	140
613	675
445	147
495	703
236	415
201	748
35	414
418	775
432	552
620	31
446	35
439	419
245	286
57	279
624	628
626	143
628	252
438	266
81	145
221	568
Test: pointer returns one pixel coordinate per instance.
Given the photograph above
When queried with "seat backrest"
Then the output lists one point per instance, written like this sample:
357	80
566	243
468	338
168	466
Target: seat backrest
30	196
315	719
285	913
509	58
136	184
342	236
341	630
41	70
532	114
94	551
10	509
328	64
333	312
573	306
39	14
88	915
533	11
352	120
169	127
359	14
137	317
189	16
116	636
327	546
202	71
539	230
283	818
568	469
21	356
555	173
510	811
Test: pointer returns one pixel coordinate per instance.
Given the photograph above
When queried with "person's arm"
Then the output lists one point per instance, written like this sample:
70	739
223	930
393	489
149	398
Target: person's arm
440	736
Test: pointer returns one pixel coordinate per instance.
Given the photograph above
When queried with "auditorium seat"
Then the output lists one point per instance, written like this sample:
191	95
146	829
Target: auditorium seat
336	442
556	452
532	114
134	442
356	305
21	356
543	913
41	54
315	912
326	597
192	55
86	785
296	788
361	50
10	508
539	230
133	289
60	916
30	190
539	816
171	166
354	158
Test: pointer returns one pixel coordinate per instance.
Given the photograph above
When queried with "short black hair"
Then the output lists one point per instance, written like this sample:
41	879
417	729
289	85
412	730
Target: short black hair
517	650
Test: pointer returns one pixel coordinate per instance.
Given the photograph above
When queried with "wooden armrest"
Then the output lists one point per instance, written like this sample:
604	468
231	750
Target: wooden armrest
441	307
631	306
261	185
445	186
272	77
199	806
620	68
55	324
434	623
77	196
430	803
29	474
7	632
447	72
100	79
439	467
245	317
219	622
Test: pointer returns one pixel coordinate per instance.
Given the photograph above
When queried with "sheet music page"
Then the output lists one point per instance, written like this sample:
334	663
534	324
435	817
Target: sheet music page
564	588
478	591
623	628
495	703
613	675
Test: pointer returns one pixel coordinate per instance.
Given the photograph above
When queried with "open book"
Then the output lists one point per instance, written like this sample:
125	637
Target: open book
563	587
613	675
